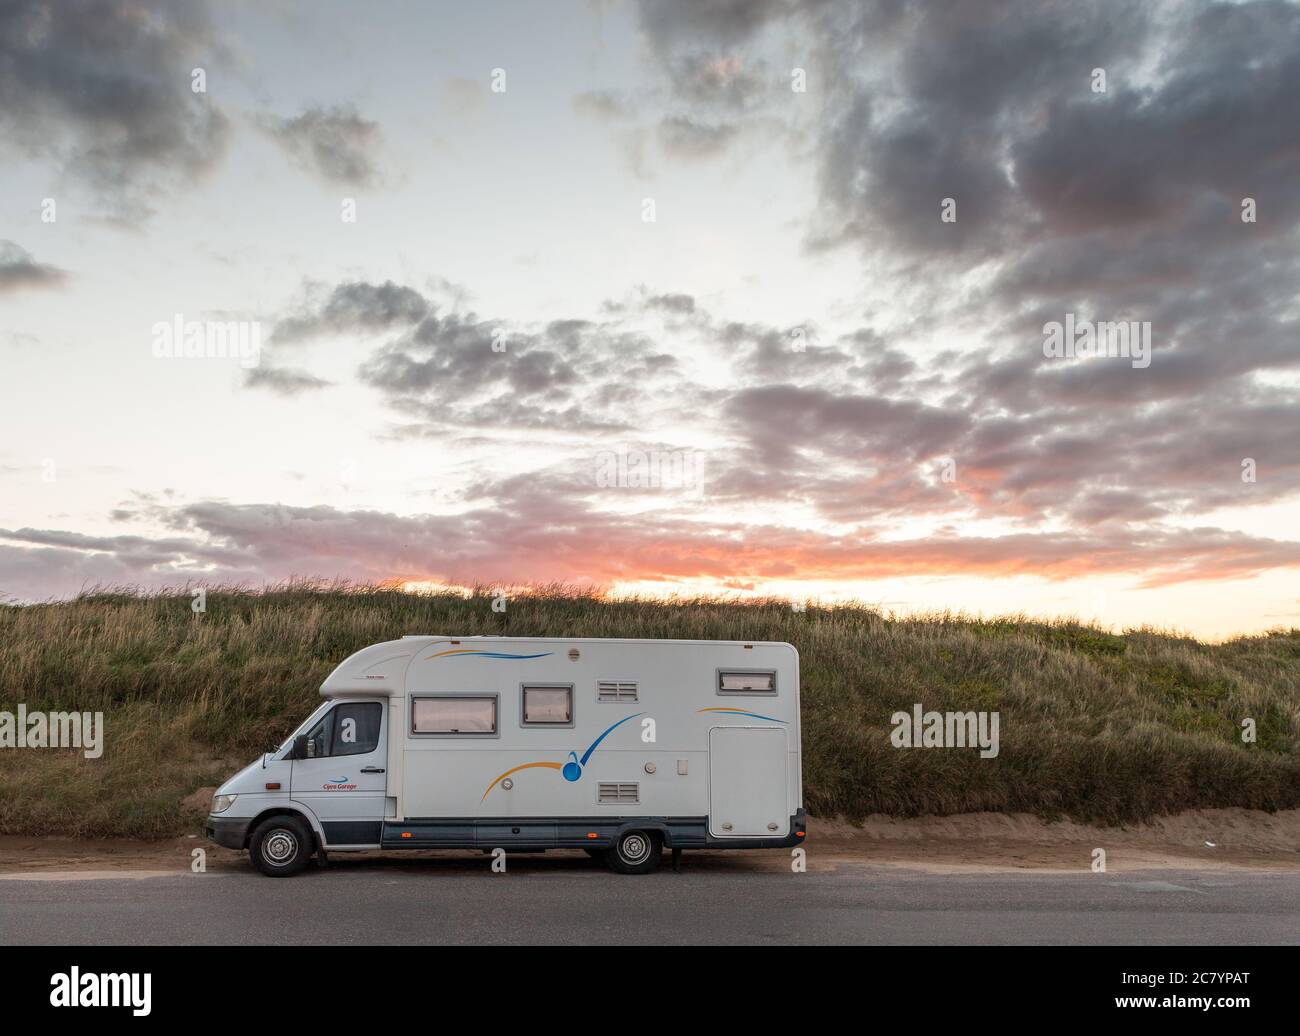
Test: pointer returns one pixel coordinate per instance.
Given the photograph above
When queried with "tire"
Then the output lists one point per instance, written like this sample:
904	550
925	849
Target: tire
635	852
280	846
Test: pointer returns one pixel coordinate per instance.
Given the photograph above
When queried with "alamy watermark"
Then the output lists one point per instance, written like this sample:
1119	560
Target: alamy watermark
921	729
651	469
84	730
1084	339
73	988
183	339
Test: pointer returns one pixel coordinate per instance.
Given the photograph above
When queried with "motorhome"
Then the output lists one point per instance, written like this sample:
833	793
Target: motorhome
622	748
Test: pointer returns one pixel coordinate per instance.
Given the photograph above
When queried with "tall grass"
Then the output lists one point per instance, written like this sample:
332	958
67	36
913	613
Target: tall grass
1094	726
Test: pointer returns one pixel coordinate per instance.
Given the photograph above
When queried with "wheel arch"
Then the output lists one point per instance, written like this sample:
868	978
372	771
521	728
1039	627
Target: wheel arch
659	827
313	825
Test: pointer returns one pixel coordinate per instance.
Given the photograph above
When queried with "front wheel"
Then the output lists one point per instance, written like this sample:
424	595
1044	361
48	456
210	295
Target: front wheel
635	852
280	846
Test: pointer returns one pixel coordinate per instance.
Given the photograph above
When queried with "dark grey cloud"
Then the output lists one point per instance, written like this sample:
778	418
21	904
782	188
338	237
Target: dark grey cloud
103	89
569	375
137	550
19	270
441	367
1122	205
672	302
337	144
927	101
354	306
283	381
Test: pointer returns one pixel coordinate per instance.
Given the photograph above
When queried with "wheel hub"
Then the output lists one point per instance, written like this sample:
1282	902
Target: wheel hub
279	846
635	848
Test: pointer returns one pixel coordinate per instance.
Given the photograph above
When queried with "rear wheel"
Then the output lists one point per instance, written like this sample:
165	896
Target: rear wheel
280	846
635	852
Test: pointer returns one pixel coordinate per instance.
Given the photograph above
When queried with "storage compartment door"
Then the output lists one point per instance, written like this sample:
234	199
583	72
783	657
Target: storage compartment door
748	782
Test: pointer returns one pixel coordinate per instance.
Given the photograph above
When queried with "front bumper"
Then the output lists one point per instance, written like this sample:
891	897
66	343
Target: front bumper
232	832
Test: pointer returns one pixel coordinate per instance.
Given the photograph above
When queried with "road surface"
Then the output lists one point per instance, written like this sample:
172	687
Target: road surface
571	900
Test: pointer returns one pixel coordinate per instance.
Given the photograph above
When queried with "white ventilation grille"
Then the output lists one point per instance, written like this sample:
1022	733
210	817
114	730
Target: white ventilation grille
618	793
615	690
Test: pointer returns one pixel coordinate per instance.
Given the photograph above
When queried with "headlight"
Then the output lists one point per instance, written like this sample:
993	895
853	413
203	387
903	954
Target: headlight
221	803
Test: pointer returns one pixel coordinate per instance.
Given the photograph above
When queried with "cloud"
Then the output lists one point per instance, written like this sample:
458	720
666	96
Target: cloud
853	426
336	144
719	87
569	375
532	533
1122	205
672	302
720	81
670	23
284	381
682	137
18	270
103	91
438	367
354	306
606	105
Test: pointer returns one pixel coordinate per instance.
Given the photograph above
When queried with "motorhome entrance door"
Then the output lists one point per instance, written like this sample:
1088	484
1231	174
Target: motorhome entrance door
748	782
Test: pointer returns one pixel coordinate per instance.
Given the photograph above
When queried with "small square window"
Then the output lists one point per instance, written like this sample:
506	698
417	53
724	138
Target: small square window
548	705
746	681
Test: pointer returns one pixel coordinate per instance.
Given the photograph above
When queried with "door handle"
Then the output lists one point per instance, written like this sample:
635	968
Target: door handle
372	769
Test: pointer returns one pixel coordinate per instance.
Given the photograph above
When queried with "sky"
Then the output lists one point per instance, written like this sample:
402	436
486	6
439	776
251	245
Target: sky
667	297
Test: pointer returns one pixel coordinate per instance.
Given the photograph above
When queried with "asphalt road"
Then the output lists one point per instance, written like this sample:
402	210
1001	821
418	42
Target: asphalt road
574	901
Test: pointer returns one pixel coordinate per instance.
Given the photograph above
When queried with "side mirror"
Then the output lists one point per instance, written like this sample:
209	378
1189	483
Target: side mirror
302	747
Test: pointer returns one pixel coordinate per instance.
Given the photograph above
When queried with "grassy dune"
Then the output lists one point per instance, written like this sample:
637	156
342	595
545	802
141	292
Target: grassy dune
1094	726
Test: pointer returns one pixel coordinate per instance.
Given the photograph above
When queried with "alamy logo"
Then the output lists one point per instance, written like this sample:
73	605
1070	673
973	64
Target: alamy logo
1083	340
208	340
919	729
124	989
84	730
650	469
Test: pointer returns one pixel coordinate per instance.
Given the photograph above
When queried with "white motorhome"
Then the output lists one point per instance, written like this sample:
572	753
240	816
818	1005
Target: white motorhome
618	747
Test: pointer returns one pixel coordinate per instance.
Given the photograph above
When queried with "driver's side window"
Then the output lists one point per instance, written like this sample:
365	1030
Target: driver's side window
349	728
321	736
